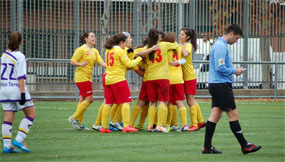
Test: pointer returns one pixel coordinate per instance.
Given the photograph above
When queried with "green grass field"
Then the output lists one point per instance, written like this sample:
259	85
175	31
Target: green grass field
52	137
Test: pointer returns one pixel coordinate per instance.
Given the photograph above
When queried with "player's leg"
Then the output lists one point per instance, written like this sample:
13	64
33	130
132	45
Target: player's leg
237	131
97	125
25	126
193	112
7	130
136	110
183	115
215	116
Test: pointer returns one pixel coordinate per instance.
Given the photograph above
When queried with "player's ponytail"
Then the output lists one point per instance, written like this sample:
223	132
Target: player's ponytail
192	37
153	35
14	42
115	40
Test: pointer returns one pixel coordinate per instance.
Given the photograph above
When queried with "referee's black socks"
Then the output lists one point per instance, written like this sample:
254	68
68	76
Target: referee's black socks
236	129
210	129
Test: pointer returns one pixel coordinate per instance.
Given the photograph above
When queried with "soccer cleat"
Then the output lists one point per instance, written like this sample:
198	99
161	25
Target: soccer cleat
129	129
10	150
160	129
74	123
116	125
212	150
249	148
113	129
184	128
174	128
21	145
105	130
193	128
97	127
83	127
150	129
201	125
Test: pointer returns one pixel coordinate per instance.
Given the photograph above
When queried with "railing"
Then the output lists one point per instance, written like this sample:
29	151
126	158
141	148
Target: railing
54	75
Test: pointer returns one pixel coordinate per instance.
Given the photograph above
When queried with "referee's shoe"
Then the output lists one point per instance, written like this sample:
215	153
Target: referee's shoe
212	150
249	148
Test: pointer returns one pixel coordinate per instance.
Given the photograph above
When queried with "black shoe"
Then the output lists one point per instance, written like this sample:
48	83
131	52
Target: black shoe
212	150
250	148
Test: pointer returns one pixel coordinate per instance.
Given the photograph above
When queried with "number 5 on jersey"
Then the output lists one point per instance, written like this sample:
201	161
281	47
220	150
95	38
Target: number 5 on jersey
110	59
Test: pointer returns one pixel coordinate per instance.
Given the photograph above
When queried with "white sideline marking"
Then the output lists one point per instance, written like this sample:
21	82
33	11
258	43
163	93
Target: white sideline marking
54	108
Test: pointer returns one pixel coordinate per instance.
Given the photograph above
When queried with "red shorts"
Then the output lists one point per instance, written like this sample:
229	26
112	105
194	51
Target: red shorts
85	88
117	93
176	93
158	90
190	87
143	92
103	80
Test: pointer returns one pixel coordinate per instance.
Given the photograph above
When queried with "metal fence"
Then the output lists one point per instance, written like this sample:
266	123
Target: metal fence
51	30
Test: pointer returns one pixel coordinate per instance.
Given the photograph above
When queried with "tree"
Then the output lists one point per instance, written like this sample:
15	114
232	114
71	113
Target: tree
265	16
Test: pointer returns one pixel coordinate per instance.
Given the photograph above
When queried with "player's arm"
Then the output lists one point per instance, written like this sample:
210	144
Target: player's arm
140	72
21	75
178	62
147	51
127	62
186	51
76	57
103	64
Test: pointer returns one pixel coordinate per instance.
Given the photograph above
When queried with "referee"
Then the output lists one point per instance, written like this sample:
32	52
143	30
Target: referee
220	88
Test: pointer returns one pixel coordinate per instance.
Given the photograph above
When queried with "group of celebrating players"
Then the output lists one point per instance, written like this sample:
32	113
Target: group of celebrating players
168	76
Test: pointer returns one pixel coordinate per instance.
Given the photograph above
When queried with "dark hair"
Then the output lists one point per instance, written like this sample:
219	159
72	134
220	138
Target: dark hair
192	36
169	37
233	28
83	36
152	39
115	40
15	39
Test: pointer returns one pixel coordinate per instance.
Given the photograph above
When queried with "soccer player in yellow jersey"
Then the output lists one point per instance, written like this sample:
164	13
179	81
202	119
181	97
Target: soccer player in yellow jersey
158	79
84	58
176	88
189	76
117	89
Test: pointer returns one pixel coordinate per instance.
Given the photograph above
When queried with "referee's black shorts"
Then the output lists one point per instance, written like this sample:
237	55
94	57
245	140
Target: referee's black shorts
222	96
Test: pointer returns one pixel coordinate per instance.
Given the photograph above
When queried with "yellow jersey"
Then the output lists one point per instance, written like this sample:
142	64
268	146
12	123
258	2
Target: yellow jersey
158	67
117	63
82	54
188	68
175	72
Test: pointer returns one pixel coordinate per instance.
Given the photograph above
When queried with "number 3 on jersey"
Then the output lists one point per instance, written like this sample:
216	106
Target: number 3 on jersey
110	59
158	57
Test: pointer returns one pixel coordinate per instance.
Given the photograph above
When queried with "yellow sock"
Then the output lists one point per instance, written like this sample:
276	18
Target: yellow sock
161	114
99	115
118	115
113	111
199	114
134	115
193	115
165	116
126	114
170	115
105	115
143	115
155	118
174	117
151	115
183	115
81	108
